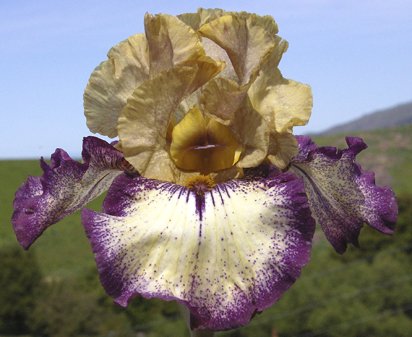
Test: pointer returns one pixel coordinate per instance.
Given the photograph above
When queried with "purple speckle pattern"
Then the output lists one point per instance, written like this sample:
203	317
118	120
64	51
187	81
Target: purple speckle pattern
341	195
226	255
65	186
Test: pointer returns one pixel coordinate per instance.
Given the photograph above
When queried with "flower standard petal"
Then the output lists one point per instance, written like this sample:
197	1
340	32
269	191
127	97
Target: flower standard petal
341	195
246	39
225	254
112	83
65	187
171	42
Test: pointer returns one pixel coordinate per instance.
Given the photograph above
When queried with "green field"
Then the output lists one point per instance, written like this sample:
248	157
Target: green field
366	292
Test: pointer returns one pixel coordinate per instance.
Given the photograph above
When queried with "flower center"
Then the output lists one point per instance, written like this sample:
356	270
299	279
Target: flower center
203	145
200	184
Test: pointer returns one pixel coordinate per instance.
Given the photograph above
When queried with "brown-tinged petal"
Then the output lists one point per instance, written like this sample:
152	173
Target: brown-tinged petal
113	82
283	103
246	39
171	42
221	98
219	54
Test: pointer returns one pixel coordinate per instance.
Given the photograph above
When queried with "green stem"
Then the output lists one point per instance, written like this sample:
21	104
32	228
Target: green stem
194	333
202	333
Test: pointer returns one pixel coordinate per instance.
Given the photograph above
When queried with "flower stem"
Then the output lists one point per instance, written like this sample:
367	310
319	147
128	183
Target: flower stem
202	333
194	333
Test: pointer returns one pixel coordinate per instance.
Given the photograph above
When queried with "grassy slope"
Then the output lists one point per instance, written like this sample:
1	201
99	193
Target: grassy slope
63	250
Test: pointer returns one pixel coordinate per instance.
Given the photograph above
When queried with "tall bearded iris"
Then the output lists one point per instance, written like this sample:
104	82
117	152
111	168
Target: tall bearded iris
211	200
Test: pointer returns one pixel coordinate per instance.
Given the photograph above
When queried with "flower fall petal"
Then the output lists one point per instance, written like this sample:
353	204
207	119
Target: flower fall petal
341	195
225	254
65	187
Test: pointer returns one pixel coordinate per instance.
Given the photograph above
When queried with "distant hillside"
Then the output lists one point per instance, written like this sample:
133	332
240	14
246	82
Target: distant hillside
391	117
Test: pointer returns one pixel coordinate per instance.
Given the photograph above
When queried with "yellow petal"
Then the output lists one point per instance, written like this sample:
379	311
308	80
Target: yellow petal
143	123
204	145
283	103
113	82
171	42
245	37
283	147
293	104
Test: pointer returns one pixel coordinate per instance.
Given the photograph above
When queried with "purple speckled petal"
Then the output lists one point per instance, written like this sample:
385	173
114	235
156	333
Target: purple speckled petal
65	186
341	195
226	254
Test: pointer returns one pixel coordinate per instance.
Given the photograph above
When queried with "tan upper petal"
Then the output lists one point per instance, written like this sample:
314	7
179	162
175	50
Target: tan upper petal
246	39
283	147
171	42
283	103
113	82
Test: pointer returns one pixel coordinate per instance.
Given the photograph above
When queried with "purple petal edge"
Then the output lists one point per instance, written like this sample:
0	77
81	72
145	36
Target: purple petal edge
65	186
367	202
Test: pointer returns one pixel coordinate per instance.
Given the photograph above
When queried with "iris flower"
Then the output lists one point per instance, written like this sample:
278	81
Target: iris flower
212	201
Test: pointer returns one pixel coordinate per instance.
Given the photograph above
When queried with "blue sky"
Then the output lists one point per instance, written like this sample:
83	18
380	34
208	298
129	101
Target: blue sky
355	54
